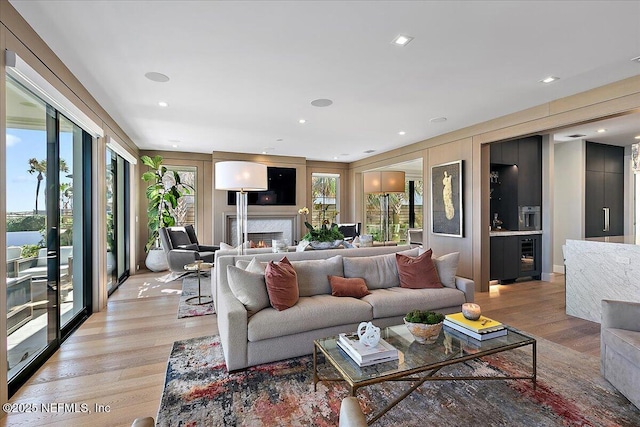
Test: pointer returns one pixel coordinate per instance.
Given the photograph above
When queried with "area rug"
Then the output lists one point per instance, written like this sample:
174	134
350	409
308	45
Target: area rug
190	289
570	392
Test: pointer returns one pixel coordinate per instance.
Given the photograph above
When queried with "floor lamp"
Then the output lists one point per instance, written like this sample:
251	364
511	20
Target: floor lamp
383	183
241	177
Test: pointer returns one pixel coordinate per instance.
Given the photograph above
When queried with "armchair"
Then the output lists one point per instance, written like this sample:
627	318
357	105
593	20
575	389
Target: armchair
620	347
350	231
181	247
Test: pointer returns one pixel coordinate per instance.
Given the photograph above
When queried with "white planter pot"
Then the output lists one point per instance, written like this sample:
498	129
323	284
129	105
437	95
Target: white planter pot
156	260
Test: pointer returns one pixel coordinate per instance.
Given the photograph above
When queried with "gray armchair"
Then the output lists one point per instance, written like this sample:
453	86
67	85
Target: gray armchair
182	247
620	347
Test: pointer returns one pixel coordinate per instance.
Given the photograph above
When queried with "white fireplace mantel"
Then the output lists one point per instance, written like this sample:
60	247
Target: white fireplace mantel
284	223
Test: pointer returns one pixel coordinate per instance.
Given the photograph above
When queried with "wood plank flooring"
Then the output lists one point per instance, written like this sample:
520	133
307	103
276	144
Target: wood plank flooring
118	357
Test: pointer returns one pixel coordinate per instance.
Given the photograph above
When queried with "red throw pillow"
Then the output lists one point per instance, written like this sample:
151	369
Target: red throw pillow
348	287
417	272
282	284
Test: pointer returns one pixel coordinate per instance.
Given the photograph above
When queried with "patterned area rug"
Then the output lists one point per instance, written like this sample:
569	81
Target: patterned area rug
190	289
200	392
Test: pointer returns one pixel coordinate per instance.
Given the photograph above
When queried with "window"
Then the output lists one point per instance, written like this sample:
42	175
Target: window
324	190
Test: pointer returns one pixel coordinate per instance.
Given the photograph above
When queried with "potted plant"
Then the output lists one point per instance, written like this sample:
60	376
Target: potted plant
425	326
163	193
324	237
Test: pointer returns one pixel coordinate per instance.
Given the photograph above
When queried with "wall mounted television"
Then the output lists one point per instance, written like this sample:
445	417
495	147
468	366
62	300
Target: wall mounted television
281	189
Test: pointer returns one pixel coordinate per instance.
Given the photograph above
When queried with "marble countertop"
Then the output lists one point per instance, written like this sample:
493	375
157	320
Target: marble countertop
495	233
627	240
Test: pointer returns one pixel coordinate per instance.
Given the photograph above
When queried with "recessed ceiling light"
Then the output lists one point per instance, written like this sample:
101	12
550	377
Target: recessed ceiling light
402	132
321	102
369	151
163	104
157	77
402	40
335	157
576	135
438	120
175	145
636	59
549	79
279	140
601	130
302	121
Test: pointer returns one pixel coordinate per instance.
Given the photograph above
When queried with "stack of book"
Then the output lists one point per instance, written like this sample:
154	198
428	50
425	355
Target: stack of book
481	329
363	355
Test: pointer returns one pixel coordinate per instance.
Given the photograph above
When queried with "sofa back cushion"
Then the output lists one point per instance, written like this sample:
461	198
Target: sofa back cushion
178	237
282	284
313	275
417	272
249	288
380	271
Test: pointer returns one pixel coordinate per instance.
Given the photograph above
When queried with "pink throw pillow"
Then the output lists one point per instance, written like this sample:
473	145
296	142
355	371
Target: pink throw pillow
418	272
282	284
348	287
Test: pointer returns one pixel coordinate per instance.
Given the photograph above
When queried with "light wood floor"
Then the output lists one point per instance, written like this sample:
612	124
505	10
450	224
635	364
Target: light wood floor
118	357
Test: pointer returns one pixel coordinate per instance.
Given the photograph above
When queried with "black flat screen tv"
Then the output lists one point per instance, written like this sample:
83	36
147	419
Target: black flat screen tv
281	190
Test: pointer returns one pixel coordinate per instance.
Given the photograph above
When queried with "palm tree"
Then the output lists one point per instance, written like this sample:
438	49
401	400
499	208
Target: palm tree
40	166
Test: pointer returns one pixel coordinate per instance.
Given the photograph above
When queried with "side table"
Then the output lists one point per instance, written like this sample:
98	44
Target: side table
199	266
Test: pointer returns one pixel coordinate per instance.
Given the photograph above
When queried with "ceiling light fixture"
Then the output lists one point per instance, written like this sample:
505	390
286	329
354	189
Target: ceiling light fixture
402	132
438	120
302	121
636	137
157	77
602	130
175	145
163	104
321	102
402	40
549	79
636	59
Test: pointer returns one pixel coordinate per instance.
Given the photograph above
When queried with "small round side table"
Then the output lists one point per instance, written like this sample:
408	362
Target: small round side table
199	266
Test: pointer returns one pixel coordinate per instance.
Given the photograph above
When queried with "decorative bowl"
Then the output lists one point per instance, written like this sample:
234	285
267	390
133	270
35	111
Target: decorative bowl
471	311
325	245
424	333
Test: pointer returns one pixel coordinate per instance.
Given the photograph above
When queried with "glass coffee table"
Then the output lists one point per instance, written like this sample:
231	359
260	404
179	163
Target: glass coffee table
419	362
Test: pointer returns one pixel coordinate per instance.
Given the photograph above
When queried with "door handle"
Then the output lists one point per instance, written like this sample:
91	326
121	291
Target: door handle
606	219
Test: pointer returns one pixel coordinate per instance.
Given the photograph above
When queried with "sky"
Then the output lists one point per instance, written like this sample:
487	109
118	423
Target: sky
23	144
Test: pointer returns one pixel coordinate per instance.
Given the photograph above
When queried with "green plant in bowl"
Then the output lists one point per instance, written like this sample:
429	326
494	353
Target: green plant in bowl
425	326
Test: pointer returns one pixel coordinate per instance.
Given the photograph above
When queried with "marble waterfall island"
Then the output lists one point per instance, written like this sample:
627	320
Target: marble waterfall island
597	269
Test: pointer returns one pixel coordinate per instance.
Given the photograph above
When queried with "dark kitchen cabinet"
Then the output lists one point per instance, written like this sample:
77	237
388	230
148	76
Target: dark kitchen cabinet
604	190
504	153
513	257
530	171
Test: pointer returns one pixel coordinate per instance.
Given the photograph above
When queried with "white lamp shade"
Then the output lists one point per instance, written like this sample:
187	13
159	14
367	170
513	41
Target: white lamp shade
241	176
383	182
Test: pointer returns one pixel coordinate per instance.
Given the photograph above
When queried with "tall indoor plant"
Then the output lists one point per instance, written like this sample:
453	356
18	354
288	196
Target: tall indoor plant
163	193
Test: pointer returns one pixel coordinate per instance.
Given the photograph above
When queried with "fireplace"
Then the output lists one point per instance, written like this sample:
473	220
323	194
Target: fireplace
263	227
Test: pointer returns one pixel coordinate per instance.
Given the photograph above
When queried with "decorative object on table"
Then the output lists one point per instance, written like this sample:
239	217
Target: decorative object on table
326	236
425	326
279	245
368	334
163	193
482	329
241	177
471	311
199	267
198	388
446	199
365	355
383	183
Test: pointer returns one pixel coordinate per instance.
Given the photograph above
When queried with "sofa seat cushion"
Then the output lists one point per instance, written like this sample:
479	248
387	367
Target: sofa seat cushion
626	343
315	312
398	301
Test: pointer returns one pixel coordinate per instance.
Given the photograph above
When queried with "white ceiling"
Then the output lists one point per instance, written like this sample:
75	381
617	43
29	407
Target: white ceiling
243	73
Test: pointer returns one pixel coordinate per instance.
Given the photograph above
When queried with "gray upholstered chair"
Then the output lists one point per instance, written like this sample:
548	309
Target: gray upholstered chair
350	231
182	247
351	414
620	347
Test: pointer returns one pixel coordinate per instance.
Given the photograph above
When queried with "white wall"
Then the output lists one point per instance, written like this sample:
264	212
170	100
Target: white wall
568	197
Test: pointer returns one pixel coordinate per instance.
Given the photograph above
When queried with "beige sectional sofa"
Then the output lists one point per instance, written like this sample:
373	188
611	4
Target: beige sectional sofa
253	336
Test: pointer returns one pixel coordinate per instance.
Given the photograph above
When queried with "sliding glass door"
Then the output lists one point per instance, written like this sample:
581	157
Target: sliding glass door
48	229
117	182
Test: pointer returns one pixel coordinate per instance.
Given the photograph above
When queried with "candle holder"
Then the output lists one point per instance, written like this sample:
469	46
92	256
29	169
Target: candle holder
471	311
